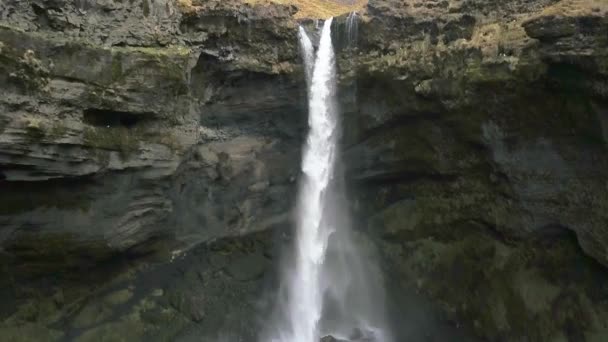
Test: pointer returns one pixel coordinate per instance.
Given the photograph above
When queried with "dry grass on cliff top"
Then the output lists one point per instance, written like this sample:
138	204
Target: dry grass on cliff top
577	7
318	9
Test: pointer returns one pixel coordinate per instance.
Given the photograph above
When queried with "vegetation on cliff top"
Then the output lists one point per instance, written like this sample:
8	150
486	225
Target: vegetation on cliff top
577	7
318	9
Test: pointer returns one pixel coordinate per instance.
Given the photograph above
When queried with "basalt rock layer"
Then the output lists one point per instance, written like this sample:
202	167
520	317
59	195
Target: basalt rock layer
141	128
475	140
120	120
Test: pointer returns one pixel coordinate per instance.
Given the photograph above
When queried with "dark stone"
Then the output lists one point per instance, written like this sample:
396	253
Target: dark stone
473	131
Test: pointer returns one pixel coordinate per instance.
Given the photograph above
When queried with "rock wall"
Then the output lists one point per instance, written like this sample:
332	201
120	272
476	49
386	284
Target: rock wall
477	145
123	122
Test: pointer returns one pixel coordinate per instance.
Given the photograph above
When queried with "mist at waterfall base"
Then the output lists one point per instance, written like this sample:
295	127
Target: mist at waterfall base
330	285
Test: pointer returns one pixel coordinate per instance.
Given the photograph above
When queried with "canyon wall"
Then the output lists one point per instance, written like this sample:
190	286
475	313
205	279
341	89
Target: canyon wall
478	148
475	148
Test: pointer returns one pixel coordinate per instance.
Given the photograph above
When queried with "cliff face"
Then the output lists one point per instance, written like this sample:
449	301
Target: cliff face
135	128
120	120
478	143
475	143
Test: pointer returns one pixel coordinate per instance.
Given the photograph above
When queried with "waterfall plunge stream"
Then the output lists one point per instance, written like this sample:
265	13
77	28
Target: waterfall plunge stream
332	286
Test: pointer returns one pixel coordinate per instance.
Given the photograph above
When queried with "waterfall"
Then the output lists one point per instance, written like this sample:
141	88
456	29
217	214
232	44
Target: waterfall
308	52
352	28
305	302
331	289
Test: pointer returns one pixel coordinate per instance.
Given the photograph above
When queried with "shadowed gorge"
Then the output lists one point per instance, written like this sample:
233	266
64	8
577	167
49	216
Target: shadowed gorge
153	156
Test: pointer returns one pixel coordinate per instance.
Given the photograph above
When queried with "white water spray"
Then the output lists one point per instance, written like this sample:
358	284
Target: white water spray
352	28
308	52
329	291
305	293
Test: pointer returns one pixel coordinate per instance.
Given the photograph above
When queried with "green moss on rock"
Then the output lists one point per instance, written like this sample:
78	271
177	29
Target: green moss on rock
28	332
511	291
23	197
119	139
116	68
126	141
58	130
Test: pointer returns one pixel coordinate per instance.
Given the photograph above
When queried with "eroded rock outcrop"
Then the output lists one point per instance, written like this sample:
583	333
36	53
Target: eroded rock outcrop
119	120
